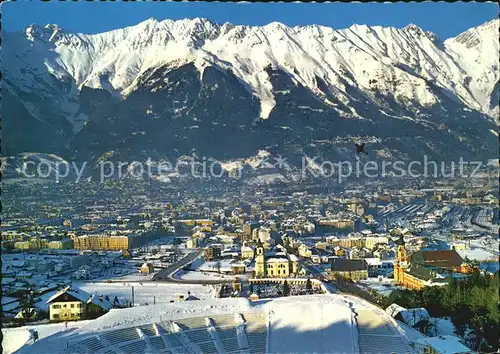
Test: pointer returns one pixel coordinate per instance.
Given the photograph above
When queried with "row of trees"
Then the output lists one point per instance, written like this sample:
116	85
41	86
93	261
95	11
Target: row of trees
472	304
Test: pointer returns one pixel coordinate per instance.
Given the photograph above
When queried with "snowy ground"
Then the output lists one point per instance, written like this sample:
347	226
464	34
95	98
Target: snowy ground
148	292
410	332
477	254
267	179
320	333
132	276
491	244
443	326
297	324
225	266
15	338
115	273
137	316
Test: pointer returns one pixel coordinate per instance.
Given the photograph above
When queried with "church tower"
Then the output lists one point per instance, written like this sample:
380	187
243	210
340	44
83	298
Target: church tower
260	261
401	263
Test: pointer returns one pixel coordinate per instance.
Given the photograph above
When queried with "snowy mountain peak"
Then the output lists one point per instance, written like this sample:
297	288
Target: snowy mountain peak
203	20
147	24
370	59
277	25
492	25
476	35
413	28
476	51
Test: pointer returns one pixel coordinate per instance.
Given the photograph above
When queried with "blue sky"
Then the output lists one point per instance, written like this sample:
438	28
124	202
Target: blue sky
445	19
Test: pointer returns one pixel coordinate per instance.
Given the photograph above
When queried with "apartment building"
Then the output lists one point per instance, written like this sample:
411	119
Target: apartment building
350	242
101	242
33	244
64	244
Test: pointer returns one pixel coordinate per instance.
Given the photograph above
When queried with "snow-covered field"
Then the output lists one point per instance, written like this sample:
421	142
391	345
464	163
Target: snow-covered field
488	243
132	276
148	292
15	338
297	324
225	266
201	276
290	332
384	287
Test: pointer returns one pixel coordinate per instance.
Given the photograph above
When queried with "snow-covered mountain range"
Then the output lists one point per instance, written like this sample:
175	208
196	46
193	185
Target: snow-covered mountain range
171	87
